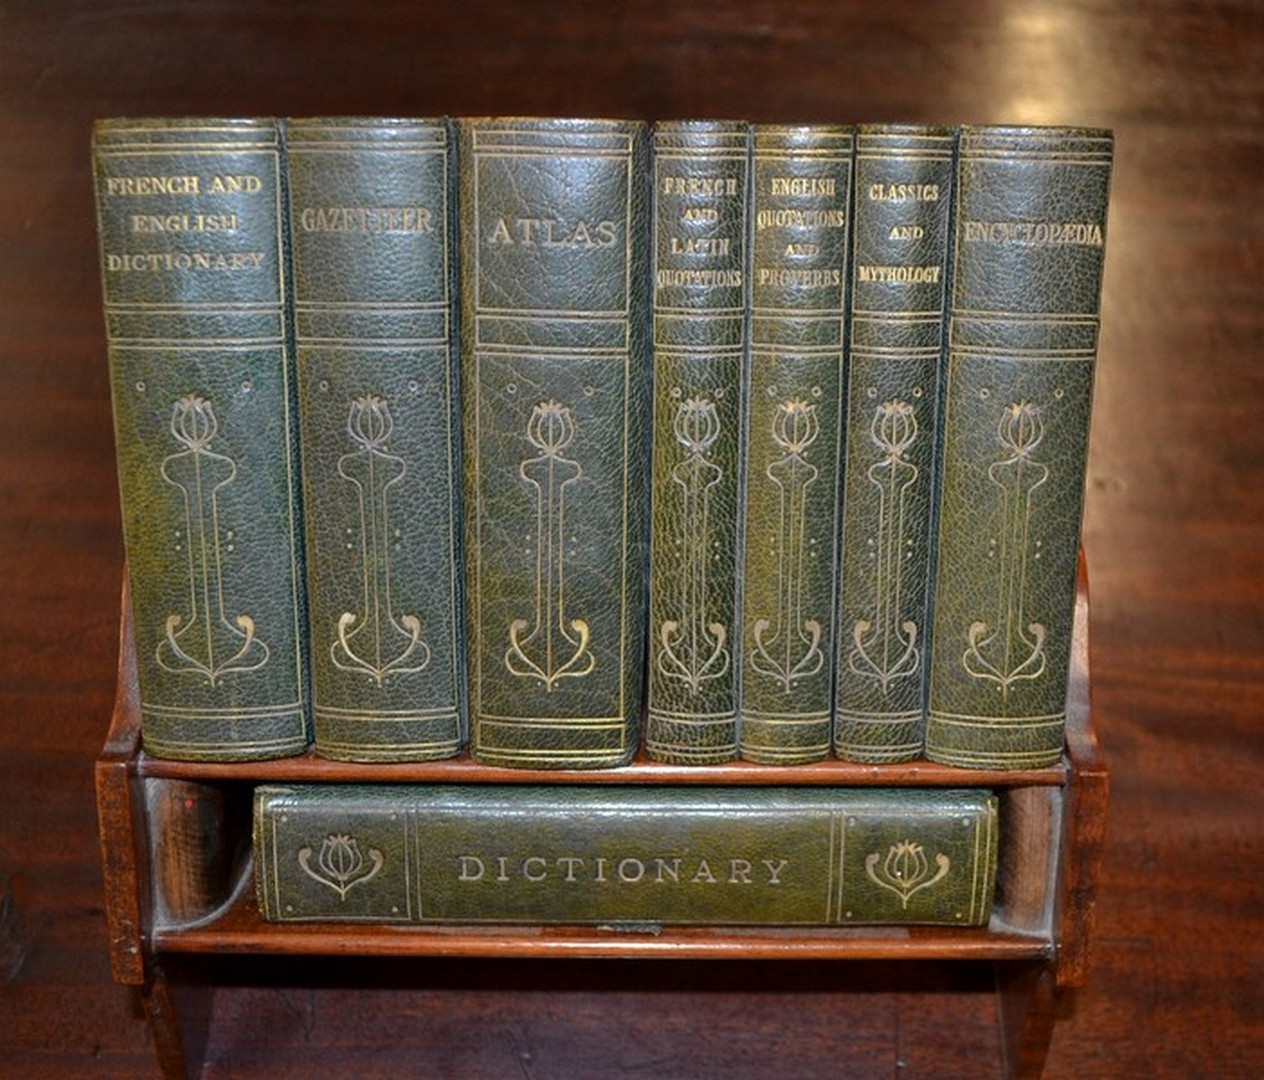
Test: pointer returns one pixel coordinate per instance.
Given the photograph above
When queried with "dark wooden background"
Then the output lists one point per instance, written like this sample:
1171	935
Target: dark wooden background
1174	529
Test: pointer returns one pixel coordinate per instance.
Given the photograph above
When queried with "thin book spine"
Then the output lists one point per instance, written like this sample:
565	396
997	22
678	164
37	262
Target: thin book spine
194	268
700	297
555	401
800	243
372	216
904	184
1029	240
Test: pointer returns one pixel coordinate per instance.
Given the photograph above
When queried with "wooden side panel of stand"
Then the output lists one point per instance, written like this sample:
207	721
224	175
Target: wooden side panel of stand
178	1014
1027	862
1027	1000
1084	825
1029	996
120	815
199	835
179	1031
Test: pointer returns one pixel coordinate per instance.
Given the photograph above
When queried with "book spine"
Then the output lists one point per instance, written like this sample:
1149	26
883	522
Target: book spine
371	216
555	386
700	292
194	277
611	855
1028	244
904	181
800	209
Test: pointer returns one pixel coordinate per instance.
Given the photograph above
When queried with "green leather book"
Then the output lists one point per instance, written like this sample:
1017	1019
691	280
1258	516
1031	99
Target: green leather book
638	856
800	209
701	263
193	271
1029	239
555	386
904	182
372	206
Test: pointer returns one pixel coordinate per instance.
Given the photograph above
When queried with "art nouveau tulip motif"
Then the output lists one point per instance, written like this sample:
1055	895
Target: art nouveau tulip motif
787	646
692	647
375	640
555	646
209	640
905	871
885	645
1010	649
340	865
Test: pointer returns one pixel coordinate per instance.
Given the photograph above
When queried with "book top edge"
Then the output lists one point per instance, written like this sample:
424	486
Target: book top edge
129	125
1096	142
1037	130
702	125
122	133
589	798
803	131
383	133
553	123
367	121
903	127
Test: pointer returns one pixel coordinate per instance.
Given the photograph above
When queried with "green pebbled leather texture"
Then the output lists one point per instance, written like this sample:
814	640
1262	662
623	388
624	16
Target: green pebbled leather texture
372	219
904	183
1029	241
555	385
193	270
800	208
625	855
701	264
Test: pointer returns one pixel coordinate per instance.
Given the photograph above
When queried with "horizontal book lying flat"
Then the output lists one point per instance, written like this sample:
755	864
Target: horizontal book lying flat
624	855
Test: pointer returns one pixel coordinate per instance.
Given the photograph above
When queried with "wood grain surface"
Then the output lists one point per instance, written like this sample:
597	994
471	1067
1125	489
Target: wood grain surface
1174	530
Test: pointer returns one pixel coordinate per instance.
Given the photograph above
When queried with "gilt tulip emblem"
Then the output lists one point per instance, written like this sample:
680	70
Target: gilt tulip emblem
906	871
691	646
210	638
787	644
1010	648
551	645
894	427
377	639
340	865
884	642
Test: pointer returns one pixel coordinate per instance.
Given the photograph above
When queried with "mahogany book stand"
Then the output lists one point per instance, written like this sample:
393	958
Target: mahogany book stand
175	840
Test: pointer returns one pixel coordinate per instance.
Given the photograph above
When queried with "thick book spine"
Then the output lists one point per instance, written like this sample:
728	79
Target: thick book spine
701	264
904	181
193	268
371	216
1028	244
611	855
800	207
555	388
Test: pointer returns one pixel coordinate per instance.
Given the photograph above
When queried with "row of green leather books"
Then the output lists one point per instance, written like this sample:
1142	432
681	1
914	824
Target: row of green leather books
561	439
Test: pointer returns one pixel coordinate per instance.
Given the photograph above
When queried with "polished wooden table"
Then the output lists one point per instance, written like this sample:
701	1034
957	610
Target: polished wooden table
1174	529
